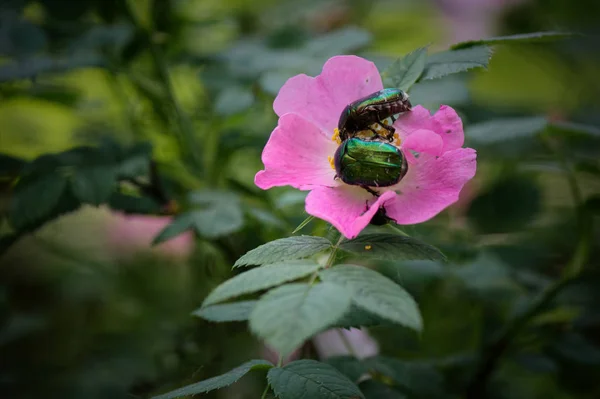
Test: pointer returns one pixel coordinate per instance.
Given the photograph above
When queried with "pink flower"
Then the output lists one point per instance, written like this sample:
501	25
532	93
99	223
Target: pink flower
301	147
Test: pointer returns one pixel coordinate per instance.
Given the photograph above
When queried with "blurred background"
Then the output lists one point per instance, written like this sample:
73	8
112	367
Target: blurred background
176	95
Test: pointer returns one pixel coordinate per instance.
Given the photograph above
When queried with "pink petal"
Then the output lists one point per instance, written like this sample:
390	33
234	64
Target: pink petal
321	99
296	155
445	123
451	128
431	185
422	141
345	207
329	343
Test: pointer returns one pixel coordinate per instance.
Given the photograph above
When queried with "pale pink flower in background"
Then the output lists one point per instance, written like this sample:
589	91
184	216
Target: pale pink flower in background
356	342
133	234
301	147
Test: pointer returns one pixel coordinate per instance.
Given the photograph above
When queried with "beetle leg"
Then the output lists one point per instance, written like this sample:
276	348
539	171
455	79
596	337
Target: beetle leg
390	129
370	190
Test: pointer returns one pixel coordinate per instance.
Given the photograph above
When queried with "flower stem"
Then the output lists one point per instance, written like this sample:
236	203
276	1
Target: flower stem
346	342
498	347
264	394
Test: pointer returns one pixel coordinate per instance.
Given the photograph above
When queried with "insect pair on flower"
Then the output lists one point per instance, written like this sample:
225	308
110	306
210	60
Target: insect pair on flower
427	164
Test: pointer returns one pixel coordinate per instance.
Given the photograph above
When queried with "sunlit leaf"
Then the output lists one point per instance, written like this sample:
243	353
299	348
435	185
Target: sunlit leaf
218	382
284	249
261	278
309	379
286	316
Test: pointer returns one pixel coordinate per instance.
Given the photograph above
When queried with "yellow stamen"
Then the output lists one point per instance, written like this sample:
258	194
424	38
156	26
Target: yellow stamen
397	140
331	163
336	136
368	247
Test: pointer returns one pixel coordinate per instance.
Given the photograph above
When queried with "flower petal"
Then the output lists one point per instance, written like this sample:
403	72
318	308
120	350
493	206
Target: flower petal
450	128
422	141
445	123
322	99
296	155
431	185
345	207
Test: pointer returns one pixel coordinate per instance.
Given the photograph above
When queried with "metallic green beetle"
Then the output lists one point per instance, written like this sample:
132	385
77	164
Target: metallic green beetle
373	109
367	163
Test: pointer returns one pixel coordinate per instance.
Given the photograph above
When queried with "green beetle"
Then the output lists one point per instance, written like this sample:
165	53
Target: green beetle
373	109
368	163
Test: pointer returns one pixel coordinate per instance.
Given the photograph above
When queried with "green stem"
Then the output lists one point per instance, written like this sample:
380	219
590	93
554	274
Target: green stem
346	343
498	347
264	394
186	130
329	262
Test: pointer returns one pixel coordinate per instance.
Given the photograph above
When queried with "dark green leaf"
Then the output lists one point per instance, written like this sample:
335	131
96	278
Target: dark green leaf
418	379
233	100
217	382
284	249
135	161
575	128
509	204
94	184
376	294
287	316
180	225
496	130
405	71
378	390
357	317
261	278
309	379
391	247
221	213
235	311
134	205
35	198
455	61
10	166
524	38
350	366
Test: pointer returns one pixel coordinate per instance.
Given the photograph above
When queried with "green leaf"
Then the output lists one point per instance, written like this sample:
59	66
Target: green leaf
377	390
133	205
357	317
35	198
415	378
261	278
11	166
309	379
575	128
221	213
286	316
342	41
94	184
376	294
236	311
135	161
405	71
524	38
284	249
180	225
350	366
496	130
218	382
455	61
233	100
391	247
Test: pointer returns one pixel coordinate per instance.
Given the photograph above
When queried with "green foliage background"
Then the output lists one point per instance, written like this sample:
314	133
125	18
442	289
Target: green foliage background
162	108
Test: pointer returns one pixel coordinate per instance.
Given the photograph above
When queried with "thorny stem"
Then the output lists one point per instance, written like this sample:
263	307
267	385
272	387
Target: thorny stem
497	348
